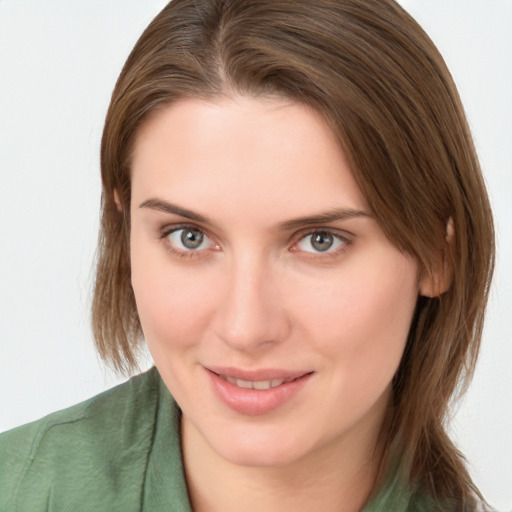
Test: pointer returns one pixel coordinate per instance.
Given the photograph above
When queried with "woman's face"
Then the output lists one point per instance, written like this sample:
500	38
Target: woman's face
274	306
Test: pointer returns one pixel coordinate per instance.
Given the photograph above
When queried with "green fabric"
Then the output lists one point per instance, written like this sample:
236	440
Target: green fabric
119	451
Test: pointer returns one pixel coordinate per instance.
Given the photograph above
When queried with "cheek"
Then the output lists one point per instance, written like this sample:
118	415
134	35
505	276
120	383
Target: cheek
361	318
170	303
361	330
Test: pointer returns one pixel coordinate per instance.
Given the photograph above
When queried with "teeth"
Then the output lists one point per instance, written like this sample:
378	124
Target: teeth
263	384
258	384
244	383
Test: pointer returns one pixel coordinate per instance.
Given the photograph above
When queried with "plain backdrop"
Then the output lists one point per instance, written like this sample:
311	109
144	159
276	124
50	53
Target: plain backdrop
59	60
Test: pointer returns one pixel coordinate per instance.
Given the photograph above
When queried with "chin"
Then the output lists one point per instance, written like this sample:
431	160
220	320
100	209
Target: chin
258	458
261	449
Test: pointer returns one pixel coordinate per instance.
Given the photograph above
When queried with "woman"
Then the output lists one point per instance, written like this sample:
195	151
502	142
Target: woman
295	221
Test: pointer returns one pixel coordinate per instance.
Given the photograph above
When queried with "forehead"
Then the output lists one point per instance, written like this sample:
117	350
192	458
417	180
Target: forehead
243	152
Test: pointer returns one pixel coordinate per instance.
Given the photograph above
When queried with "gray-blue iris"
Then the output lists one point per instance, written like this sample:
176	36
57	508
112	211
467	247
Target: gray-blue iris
191	238
322	241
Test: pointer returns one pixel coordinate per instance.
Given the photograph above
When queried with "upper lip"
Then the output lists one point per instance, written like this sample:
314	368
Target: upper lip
261	374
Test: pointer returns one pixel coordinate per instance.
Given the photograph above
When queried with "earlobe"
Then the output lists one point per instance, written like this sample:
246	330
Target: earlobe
439	280
437	283
117	200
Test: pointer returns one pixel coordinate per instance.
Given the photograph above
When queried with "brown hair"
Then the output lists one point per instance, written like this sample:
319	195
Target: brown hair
379	81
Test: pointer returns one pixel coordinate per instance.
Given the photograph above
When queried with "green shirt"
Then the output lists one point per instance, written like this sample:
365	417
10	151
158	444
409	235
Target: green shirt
119	451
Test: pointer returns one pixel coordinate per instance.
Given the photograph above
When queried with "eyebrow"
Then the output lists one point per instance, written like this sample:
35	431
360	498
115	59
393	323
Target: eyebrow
332	215
336	214
164	206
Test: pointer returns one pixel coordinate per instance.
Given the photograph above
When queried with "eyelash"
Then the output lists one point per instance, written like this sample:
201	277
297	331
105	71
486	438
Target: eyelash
295	240
343	238
166	231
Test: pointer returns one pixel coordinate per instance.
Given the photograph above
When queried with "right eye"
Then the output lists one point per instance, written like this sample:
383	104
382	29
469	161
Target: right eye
188	239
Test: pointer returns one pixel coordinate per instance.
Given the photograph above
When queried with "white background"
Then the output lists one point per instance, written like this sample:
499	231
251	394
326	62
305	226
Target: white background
58	64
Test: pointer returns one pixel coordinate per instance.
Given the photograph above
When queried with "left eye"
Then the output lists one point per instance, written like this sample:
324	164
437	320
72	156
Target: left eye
320	241
189	239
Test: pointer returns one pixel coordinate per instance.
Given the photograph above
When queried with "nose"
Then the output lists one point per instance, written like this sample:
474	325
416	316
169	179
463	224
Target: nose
250	314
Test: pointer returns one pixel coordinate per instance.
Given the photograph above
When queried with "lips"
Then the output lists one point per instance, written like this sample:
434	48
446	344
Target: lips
254	384
256	392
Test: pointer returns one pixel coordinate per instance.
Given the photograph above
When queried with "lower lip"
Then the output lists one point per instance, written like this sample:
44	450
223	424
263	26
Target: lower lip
255	402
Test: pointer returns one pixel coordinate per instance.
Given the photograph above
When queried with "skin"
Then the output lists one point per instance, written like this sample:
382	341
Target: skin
257	294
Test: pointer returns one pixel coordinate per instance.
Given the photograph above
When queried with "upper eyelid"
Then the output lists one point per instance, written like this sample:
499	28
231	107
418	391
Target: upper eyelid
328	255
166	230
296	237
169	228
340	233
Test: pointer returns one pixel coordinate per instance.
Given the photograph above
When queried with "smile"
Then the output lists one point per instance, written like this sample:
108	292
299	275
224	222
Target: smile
258	392
254	384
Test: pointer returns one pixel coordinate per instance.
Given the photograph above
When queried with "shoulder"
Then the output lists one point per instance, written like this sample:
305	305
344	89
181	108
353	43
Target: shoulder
89	443
423	502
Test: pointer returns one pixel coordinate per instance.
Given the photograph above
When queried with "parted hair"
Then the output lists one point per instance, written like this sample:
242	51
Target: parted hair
385	91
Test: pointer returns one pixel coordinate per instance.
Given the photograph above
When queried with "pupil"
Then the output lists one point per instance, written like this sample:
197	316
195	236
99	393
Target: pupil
192	238
322	241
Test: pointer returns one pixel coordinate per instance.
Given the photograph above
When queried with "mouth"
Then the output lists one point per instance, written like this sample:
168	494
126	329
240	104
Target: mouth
255	384
256	392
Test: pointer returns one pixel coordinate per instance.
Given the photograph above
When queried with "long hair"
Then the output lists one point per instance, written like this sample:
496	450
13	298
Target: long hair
387	95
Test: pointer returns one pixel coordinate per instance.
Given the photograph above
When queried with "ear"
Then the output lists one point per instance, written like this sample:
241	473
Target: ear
117	200
440	279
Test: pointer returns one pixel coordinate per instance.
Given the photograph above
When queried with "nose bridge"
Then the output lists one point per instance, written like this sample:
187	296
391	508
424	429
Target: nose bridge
249	314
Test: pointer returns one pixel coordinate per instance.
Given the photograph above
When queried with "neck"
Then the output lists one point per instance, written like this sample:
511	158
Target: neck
339	475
